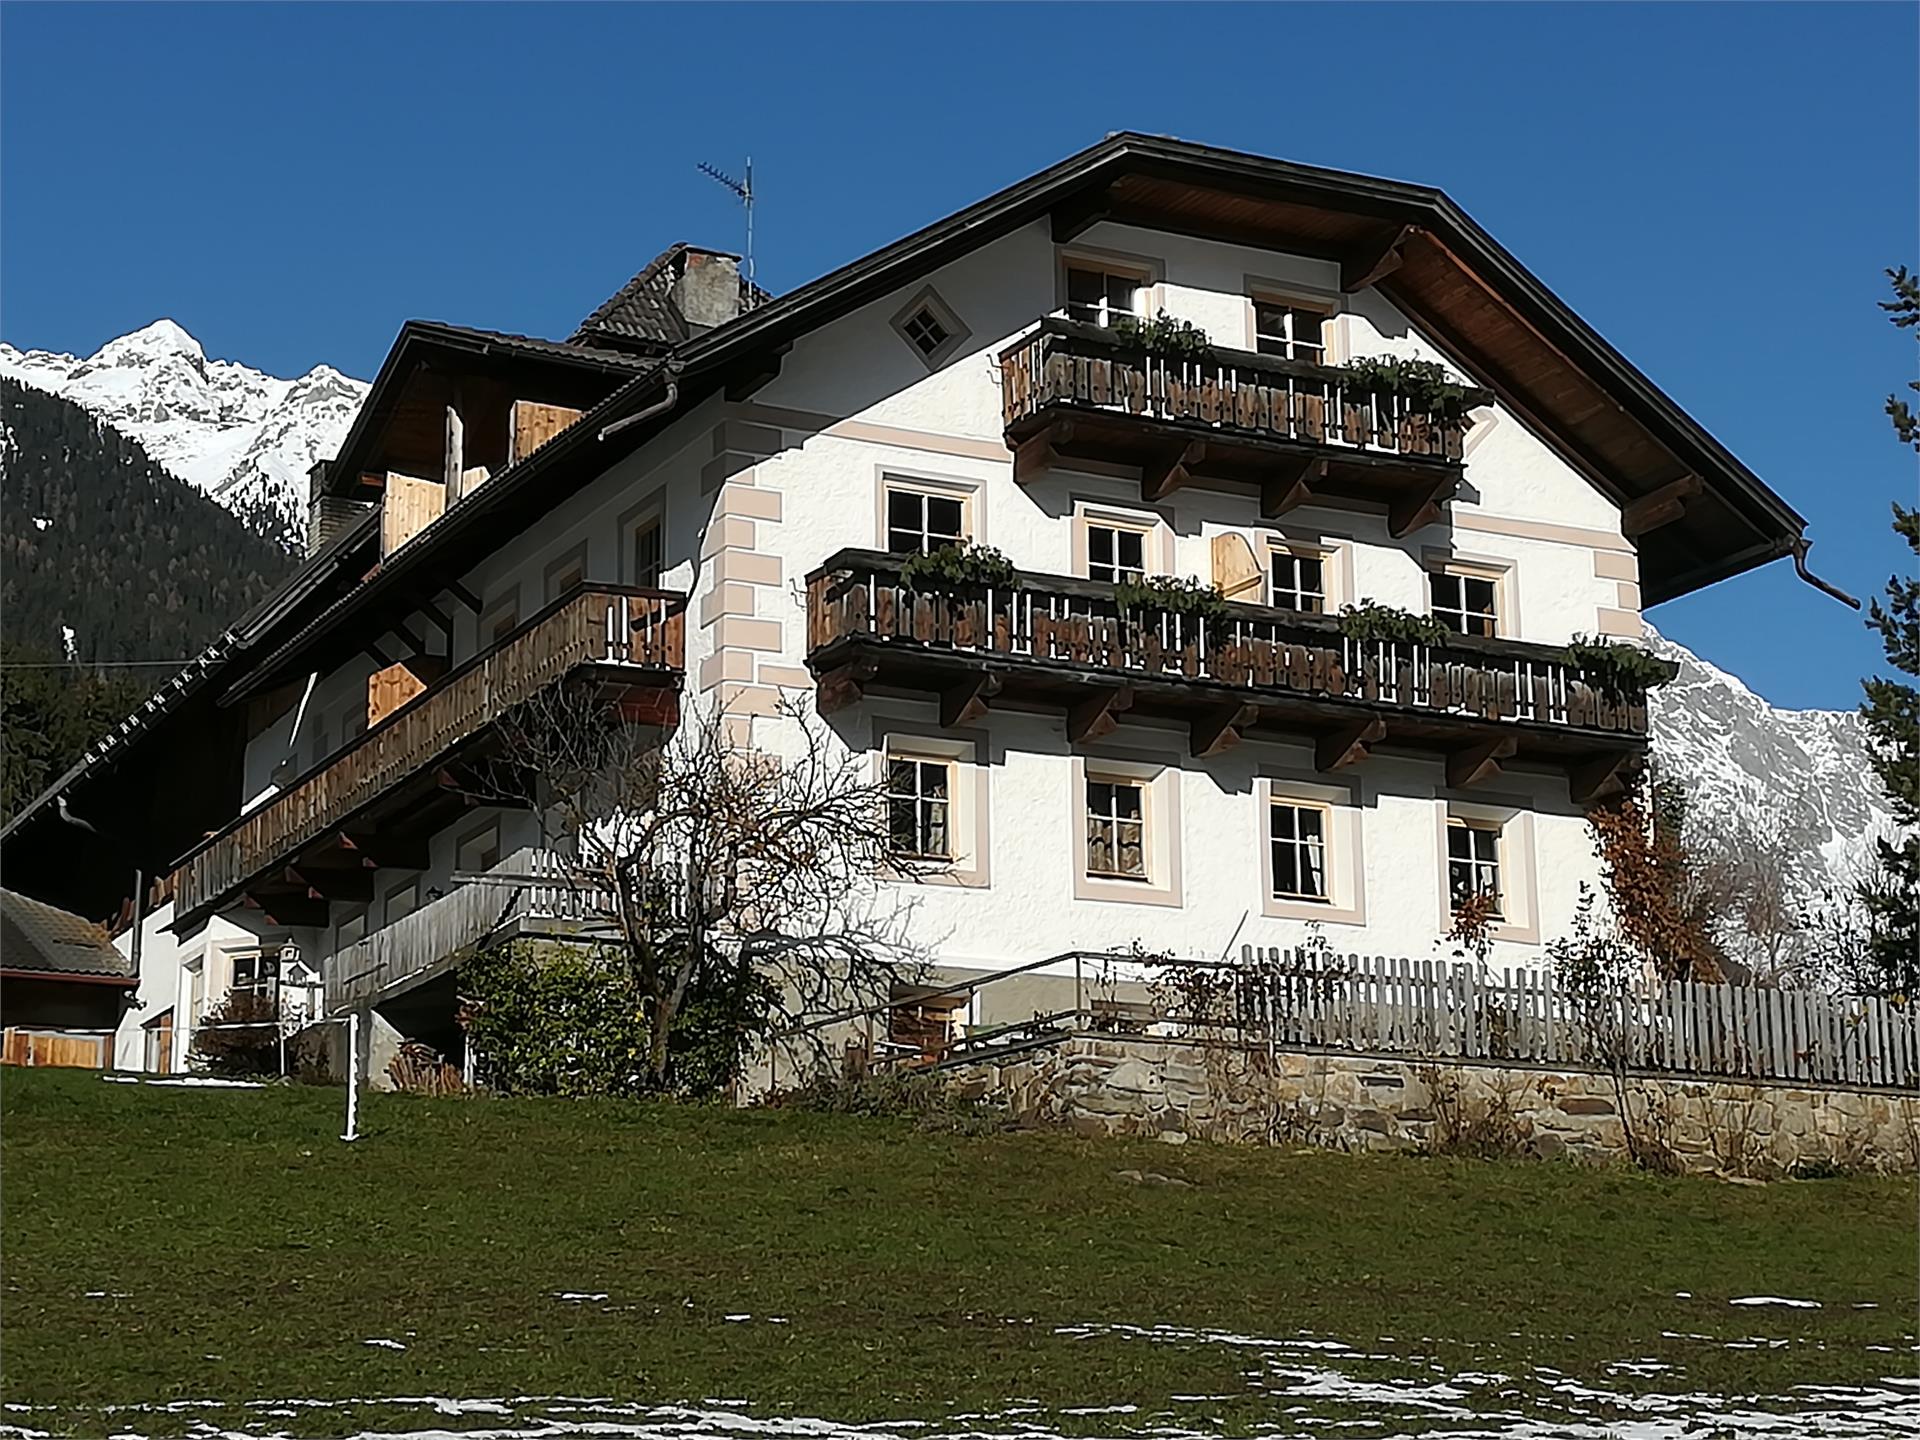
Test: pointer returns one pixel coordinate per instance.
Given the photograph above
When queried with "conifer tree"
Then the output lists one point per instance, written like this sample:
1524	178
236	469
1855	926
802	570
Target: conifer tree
1890	959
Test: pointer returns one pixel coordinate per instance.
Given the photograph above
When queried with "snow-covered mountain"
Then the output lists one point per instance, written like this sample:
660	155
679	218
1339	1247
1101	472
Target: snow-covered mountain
244	437
1798	779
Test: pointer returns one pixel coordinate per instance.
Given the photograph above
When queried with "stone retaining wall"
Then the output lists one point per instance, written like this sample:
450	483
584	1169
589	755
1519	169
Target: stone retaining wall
1101	1085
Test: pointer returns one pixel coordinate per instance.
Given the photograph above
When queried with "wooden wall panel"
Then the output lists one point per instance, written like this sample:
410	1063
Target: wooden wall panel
408	507
534	425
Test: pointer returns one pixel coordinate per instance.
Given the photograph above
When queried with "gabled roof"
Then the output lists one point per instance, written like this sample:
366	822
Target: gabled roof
641	315
41	939
1412	242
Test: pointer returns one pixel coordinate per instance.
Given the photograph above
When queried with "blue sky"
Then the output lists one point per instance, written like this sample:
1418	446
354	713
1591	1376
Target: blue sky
1716	188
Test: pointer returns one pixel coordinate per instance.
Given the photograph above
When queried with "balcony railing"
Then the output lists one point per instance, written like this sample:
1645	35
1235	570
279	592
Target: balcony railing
638	635
1071	625
1234	393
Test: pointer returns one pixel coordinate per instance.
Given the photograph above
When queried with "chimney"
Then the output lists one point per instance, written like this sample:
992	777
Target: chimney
328	516
707	290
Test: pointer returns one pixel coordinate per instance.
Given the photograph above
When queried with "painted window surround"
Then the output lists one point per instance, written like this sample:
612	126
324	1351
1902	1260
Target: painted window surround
970	815
1519	881
1160	775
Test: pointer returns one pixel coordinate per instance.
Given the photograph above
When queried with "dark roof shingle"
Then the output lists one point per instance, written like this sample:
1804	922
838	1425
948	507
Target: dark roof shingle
44	939
641	313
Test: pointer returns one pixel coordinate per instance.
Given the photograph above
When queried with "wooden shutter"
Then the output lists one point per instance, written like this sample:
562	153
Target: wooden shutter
1235	570
534	425
409	506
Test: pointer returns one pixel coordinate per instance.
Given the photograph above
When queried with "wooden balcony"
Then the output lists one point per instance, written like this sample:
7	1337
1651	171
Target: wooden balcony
373	801
1288	430
1056	643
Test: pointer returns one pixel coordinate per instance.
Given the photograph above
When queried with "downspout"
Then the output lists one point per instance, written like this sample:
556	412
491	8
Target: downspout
661	406
1798	547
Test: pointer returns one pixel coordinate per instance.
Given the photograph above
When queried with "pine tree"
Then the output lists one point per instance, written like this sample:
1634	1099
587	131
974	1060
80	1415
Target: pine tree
1890	960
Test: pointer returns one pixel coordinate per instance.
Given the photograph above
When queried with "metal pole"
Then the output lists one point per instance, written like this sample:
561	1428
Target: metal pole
353	1077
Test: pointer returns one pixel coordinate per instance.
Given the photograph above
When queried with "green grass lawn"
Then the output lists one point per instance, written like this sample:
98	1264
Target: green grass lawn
236	1249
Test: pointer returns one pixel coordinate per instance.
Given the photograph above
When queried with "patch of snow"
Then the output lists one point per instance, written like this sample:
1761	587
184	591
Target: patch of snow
209	1082
1776	1300
384	1344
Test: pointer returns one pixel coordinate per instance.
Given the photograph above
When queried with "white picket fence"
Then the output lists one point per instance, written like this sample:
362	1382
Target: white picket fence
1456	1011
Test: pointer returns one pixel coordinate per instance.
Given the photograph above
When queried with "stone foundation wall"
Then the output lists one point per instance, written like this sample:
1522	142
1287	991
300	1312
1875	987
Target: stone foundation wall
1098	1085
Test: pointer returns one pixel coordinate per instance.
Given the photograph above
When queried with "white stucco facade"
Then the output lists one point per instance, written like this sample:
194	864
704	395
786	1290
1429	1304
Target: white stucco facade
754	494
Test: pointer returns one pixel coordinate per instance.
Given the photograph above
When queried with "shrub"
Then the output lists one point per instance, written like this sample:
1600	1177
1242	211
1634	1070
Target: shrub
1162	335
240	1037
1423	384
958	567
928	1100
1616	668
566	1020
1370	621
1170	595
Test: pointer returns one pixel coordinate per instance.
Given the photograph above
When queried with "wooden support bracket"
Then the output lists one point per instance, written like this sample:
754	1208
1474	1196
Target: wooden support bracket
1160	478
966	702
1039	453
843	686
465	596
1479	762
1098	714
1417	507
1659	507
1350	744
1291	485
1600	777
1219	730
1368	267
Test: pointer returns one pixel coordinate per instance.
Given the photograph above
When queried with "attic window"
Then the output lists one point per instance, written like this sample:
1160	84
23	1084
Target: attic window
930	327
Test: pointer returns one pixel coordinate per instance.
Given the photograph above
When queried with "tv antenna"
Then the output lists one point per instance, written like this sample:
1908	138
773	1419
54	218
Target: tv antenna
744	190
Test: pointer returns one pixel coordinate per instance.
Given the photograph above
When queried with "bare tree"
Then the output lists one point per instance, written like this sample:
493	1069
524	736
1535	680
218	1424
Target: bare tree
720	863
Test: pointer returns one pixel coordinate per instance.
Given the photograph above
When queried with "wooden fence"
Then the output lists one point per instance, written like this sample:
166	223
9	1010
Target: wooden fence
1311	999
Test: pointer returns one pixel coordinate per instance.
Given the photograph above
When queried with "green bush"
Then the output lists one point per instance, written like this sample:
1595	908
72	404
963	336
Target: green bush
958	567
567	1020
1616	668
1369	621
1423	384
1173	595
928	1100
240	1037
1162	335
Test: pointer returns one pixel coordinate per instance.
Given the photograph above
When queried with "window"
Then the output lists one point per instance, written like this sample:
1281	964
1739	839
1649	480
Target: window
1116	829
1290	331
1298	581
1298	835
1473	862
1115	553
501	621
649	553
1098	296
478	852
919	523
566	573
1463	602
930	327
254	974
403	902
352	930
919	794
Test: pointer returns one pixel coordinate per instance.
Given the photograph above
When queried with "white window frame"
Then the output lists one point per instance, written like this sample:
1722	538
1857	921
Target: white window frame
1322	845
1113	817
1344	864
1288	337
387	917
924	804
894	482
1115	571
649	515
1464	572
964	751
560	568
1294	550
1478	830
931	304
1158	779
1512	817
1141	272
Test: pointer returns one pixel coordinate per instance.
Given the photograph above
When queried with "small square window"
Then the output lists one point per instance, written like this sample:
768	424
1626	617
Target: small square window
1298	581
919	523
1116	829
1099	296
1298	835
1466	604
1473	862
919	808
925	331
1290	332
1115	553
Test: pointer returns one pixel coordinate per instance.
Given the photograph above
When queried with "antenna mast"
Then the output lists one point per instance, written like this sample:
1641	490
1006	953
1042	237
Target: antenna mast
744	190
